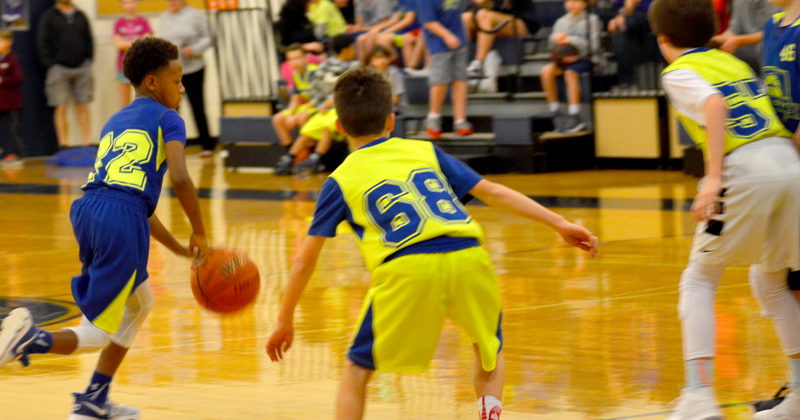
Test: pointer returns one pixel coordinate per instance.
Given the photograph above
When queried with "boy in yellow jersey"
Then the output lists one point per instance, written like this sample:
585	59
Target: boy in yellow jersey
402	199
299	110
113	223
748	204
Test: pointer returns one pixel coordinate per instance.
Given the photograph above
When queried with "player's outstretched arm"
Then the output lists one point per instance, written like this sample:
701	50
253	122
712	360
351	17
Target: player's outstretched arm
162	235
510	201
302	268
187	195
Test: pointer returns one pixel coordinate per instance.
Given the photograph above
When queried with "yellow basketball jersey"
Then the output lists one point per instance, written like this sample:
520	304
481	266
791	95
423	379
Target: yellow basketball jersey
398	196
751	115
303	81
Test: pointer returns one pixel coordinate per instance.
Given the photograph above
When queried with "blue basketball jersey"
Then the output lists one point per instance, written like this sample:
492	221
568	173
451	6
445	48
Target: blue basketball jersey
782	69
132	154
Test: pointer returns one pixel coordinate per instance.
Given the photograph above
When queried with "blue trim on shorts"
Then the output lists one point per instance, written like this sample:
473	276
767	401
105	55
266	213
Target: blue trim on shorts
580	66
500	332
436	245
361	351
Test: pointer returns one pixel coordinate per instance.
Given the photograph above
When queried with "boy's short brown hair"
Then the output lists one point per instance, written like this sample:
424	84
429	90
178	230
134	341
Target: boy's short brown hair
363	100
686	23
293	47
6	34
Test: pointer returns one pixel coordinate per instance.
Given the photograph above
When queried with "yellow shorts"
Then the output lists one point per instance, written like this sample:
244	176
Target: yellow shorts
301	108
398	41
402	317
319	122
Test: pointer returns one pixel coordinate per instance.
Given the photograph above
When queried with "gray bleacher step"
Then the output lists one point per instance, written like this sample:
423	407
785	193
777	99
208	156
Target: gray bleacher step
455	140
539	56
631	93
503	95
555	135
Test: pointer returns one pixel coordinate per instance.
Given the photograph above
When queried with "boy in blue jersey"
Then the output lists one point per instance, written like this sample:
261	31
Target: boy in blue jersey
113	222
748	204
782	72
447	44
403	200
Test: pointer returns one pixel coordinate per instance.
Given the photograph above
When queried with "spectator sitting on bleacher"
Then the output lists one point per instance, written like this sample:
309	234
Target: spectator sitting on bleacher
401	31
634	42
321	128
299	110
746	29
381	58
572	37
371	16
444	34
489	19
324	14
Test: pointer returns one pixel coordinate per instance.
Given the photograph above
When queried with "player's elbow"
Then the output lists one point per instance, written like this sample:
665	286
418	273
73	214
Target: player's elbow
180	181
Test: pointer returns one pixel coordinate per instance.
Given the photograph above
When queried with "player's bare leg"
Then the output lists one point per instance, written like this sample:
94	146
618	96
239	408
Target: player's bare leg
85	123
489	386
60	121
284	134
461	126
110	359
352	392
433	124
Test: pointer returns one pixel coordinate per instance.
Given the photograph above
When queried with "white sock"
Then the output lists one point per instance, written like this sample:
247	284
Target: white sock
574	109
489	408
432	116
794	364
459	121
554	106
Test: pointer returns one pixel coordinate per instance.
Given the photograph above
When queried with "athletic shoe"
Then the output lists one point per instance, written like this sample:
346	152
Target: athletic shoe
788	409
700	405
475	68
84	409
418	73
772	403
433	126
17	334
463	128
284	165
571	124
311	164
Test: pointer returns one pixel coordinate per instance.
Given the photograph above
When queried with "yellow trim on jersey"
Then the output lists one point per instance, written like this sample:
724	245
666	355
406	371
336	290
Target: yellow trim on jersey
778	16
111	317
751	114
303	81
397	193
161	155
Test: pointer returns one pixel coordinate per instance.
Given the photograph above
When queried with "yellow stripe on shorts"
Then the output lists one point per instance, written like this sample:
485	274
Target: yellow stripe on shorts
110	319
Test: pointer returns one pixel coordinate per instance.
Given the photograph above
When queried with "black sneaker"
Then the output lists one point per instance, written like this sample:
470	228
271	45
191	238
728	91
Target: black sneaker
571	124
284	165
770	404
311	164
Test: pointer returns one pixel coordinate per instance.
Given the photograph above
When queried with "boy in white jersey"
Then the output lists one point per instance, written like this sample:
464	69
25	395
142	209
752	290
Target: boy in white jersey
402	199
747	208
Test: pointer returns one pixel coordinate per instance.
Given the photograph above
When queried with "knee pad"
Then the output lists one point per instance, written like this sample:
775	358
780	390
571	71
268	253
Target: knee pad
90	338
137	308
698	287
778	304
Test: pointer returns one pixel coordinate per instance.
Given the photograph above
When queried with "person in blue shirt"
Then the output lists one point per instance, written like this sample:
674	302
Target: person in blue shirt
113	223
447	43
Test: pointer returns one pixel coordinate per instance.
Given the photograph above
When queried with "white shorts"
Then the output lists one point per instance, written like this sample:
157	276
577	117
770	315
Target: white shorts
760	220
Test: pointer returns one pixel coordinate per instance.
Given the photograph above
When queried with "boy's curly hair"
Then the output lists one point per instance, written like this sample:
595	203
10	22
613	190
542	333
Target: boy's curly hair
147	56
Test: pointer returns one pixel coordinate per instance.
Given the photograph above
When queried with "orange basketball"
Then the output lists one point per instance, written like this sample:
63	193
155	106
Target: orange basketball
226	281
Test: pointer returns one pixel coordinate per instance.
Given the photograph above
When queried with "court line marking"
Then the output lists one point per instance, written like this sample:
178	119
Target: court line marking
663	413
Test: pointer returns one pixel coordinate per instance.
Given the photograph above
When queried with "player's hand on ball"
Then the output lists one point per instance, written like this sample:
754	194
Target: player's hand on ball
198	247
579	237
705	203
281	341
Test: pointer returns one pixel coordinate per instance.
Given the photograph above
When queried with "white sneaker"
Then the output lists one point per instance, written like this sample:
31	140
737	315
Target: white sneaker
418	73
789	409
475	68
700	405
17	333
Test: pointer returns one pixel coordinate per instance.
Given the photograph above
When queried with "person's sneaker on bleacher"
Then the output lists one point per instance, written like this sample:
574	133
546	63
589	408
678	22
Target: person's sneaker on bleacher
433	127
284	165
463	128
86	409
475	68
572	124
18	332
773	402
313	164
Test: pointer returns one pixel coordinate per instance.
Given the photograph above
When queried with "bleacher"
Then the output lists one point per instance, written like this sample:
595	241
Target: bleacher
513	127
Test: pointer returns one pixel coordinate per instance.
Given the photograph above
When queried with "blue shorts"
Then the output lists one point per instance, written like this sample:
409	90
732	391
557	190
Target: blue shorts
580	66
113	235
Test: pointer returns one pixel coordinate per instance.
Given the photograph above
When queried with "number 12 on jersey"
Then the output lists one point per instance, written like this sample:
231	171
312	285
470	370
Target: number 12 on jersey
399	210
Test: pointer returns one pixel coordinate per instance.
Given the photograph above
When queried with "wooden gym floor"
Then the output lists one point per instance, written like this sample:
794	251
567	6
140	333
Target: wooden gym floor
584	338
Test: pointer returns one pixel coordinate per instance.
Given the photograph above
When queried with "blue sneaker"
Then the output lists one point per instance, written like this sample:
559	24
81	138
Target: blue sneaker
16	336
85	409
